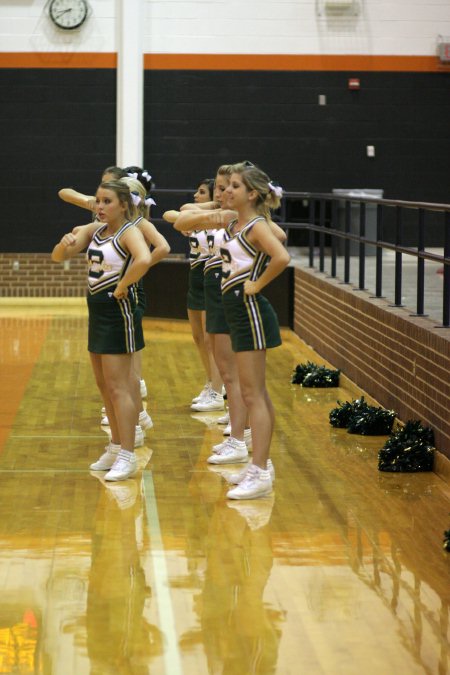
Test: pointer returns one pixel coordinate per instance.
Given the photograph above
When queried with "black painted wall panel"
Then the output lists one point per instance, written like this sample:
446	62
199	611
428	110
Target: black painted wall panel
57	128
274	119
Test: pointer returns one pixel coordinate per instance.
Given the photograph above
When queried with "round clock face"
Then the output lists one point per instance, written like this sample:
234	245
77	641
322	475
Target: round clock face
68	14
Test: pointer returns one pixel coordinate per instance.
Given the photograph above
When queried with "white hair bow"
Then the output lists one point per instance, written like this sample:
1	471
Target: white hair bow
145	174
149	201
136	199
133	175
276	188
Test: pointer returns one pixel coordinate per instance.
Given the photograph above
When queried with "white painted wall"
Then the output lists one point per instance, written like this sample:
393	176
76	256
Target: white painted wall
392	27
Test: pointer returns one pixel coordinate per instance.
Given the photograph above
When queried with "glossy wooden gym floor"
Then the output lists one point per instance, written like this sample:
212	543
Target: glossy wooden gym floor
340	572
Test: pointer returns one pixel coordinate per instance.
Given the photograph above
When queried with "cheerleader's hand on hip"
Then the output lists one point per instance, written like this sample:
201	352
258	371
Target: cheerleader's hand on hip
121	292
251	287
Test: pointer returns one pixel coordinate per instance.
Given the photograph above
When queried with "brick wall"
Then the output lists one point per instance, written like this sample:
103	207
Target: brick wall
401	361
34	275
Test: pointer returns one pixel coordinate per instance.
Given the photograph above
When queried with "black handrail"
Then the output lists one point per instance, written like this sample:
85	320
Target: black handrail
398	247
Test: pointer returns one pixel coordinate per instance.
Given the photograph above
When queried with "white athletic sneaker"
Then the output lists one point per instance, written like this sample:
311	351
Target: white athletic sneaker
213	401
139	437
221	446
225	419
247	441
105	462
256	483
204	392
231	452
143	388
247	434
124	467
145	421
236	478
104	422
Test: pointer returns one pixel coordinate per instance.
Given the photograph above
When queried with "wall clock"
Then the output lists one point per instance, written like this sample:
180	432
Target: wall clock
68	14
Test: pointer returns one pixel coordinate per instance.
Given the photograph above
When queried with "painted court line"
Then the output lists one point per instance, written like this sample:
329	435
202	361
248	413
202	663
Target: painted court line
167	620
42	470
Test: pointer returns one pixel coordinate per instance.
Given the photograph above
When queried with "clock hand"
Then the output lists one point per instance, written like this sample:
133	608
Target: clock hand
64	11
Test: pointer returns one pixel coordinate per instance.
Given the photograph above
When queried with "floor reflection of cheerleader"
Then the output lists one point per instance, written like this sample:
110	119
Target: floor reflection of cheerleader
119	639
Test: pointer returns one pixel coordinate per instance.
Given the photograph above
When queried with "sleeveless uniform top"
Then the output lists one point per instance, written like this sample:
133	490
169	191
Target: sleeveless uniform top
107	261
214	239
115	326
198	248
240	259
251	319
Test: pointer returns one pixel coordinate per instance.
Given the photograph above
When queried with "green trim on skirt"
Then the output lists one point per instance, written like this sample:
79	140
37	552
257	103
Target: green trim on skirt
196	294
216	322
252	320
115	326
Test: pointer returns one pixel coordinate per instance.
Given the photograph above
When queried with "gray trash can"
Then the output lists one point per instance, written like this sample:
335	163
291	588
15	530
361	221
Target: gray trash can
371	218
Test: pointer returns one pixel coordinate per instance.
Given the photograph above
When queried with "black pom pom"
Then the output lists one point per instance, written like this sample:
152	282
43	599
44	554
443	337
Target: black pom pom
311	375
361	418
341	416
409	449
372	422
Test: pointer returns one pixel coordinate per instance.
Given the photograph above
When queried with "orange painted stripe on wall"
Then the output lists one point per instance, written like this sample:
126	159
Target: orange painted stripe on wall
352	62
293	62
57	60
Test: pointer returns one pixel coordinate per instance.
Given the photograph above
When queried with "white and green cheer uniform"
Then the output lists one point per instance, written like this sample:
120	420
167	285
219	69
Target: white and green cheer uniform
215	316
251	318
198	255
115	326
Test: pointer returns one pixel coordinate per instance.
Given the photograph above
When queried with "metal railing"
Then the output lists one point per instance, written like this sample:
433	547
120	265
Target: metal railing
327	211
323	224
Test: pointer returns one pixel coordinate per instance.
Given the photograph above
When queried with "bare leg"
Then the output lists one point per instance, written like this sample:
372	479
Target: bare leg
252	377
137	363
97	367
118	373
227	365
196	320
214	374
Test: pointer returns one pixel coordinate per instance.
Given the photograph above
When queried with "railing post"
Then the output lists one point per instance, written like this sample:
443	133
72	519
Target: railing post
348	219
312	220
362	245
446	293
398	257
421	264
379	254
322	235
334	238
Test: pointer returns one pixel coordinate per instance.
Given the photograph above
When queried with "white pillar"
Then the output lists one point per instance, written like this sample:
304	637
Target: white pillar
130	82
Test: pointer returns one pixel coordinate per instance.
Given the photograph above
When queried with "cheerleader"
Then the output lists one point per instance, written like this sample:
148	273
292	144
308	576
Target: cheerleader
252	255
210	398
118	257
